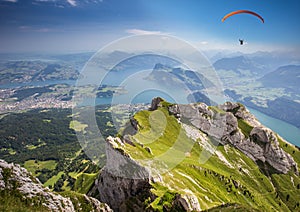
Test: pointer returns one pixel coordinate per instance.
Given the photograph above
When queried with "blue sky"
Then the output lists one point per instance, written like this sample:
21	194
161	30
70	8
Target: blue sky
87	25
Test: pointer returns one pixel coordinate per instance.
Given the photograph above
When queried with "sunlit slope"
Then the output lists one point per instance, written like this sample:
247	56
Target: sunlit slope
186	162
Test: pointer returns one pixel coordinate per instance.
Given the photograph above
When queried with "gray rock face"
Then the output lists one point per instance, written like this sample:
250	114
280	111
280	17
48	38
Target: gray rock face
213	123
262	144
240	112
271	152
134	124
30	187
175	111
122	180
155	103
188	202
124	184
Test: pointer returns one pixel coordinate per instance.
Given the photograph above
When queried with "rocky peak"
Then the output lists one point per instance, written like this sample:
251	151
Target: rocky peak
262	143
240	112
222	123
155	103
267	143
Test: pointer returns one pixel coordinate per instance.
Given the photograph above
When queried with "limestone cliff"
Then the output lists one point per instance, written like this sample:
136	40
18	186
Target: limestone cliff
261	144
17	182
122	180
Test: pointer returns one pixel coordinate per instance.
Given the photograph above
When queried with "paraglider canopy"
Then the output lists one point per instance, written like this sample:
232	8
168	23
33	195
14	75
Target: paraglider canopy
242	11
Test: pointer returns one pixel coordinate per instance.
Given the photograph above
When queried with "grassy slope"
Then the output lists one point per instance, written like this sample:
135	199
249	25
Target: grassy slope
53	179
84	182
13	201
213	183
34	165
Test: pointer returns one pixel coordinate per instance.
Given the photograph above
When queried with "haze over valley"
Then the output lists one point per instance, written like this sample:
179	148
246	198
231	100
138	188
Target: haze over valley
109	105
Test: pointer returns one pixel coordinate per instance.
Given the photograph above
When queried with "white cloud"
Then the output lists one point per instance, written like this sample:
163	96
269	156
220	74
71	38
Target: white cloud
24	28
142	32
33	29
72	3
14	1
232	46
63	3
204	42
45	0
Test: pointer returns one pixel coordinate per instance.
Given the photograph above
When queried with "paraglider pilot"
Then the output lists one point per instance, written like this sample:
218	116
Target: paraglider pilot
241	41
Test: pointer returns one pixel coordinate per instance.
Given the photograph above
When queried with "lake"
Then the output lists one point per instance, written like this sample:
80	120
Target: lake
287	131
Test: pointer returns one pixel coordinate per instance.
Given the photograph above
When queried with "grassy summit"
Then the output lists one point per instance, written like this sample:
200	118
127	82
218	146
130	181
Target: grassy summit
186	162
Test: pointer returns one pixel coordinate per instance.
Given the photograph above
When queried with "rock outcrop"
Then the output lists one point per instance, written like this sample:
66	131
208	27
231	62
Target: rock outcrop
270	152
123	183
240	112
221	123
16	179
30	187
155	103
262	143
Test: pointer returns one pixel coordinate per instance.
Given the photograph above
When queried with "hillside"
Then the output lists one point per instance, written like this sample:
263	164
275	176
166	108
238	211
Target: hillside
20	191
281	108
285	76
177	78
44	142
240	65
24	71
198	157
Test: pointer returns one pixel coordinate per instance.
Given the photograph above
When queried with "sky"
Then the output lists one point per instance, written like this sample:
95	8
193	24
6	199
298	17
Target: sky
88	25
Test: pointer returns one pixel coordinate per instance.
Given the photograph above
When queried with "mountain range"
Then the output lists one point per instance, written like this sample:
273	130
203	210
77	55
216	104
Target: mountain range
240	64
287	77
178	77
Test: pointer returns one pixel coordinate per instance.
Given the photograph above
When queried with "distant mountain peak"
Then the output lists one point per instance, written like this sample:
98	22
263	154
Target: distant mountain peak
238	64
284	76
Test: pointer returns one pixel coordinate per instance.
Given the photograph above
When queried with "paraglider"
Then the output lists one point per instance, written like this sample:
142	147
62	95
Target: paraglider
239	12
242	11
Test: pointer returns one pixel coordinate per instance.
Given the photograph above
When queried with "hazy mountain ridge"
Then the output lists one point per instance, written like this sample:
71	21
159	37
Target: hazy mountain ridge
178	77
285	76
265	81
240	64
284	108
192	79
250	162
271	60
36	70
281	108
